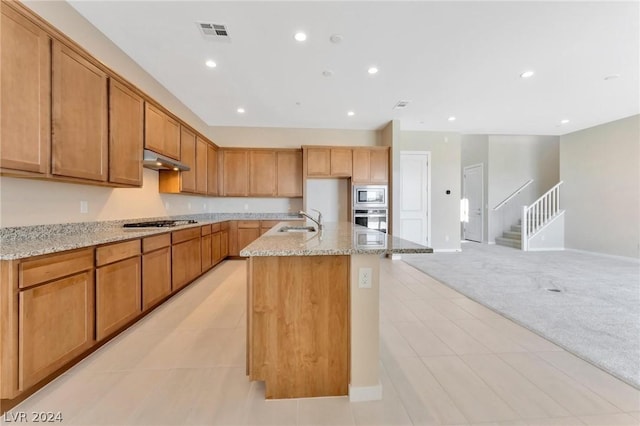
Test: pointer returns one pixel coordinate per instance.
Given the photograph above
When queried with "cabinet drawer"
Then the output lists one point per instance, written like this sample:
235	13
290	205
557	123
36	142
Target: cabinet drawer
248	224
205	230
114	252
156	242
269	223
215	228
185	235
48	268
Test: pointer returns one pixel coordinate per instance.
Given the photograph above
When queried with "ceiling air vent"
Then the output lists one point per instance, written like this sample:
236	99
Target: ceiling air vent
401	105
214	31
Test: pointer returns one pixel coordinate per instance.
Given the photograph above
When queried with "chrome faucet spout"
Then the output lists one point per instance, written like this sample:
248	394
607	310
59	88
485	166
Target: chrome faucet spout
318	222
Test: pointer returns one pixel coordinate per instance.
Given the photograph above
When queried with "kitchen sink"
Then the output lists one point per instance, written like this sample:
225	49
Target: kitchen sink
297	229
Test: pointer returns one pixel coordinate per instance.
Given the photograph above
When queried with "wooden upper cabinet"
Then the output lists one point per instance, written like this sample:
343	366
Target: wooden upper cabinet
262	173
379	165
212	170
341	162
370	165
161	132
79	145
153	128
126	135
172	138
201	165
188	157
289	173
361	165
235	172
318	162
25	87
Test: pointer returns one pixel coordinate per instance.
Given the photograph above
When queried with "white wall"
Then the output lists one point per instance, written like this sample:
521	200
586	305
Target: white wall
513	160
329	196
445	175
600	168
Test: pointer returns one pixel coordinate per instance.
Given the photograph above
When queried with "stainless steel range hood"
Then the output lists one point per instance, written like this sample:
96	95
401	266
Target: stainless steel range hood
154	161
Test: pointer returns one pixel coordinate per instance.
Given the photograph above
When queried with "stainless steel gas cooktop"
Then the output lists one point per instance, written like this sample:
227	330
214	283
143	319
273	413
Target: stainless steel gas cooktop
158	223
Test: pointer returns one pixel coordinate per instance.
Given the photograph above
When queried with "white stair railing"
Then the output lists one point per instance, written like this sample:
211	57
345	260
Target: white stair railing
538	214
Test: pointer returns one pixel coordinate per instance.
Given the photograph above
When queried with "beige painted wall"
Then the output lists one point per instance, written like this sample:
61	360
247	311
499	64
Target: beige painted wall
445	175
600	167
268	137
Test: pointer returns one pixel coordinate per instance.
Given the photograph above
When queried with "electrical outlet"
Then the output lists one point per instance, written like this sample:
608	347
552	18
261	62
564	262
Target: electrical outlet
365	277
204	207
166	205
188	206
84	207
246	206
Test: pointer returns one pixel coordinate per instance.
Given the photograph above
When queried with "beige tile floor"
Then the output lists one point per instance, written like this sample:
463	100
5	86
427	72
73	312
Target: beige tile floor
444	360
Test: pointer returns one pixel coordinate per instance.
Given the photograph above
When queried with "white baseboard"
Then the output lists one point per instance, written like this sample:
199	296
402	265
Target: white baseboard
396	256
365	393
611	256
447	250
547	249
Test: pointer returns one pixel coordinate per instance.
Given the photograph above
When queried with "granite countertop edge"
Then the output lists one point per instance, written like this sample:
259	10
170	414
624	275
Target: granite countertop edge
28	241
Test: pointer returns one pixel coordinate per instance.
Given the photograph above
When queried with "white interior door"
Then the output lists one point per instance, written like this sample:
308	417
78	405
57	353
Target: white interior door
473	188
415	197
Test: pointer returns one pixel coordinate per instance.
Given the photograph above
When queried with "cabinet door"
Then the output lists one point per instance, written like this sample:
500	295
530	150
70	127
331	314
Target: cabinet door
126	135
212	170
153	128
235	172
216	247
201	165
207	254
246	236
262	173
25	103
224	244
172	138
361	165
79	98
118	295
318	162
56	325
188	157
341	162
379	164
185	262
156	276
289	171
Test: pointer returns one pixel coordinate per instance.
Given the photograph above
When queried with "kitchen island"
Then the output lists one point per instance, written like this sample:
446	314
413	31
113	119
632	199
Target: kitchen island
313	310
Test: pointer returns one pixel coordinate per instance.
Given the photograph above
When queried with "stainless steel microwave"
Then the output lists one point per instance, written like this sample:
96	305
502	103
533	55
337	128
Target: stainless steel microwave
369	196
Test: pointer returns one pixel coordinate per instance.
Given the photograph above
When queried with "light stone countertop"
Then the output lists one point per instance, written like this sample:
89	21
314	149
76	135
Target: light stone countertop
337	238
27	241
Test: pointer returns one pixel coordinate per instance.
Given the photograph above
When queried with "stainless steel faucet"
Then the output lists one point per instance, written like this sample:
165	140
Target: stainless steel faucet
318	222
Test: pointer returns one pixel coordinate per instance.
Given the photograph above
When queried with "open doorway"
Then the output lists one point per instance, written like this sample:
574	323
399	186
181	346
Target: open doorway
473	202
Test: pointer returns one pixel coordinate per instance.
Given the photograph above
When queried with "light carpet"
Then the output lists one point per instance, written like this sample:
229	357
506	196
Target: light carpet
596	314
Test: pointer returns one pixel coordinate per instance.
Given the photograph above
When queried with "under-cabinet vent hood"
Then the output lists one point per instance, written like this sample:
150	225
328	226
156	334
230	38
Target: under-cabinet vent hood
154	161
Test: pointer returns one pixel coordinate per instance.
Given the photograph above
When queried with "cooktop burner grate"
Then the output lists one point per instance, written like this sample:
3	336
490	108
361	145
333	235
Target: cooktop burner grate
158	223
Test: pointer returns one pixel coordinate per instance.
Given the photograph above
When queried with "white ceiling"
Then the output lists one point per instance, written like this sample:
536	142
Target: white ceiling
461	59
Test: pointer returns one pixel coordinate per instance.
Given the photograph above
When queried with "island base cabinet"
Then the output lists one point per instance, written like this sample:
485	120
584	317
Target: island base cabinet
118	296
56	325
298	323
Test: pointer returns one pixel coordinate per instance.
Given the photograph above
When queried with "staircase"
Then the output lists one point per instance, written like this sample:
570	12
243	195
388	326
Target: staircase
512	237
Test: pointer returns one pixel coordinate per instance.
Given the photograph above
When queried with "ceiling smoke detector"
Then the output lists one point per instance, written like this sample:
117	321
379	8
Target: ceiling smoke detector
401	104
214	31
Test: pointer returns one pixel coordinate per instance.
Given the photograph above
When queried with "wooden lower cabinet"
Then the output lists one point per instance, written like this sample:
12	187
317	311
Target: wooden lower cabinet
207	252
216	247
55	326
224	244
246	236
156	269
185	262
118	295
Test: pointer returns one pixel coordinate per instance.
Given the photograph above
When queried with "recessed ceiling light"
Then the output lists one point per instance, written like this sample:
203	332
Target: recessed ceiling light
527	74
452	118
300	36
565	121
211	64
372	70
240	110
351	113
